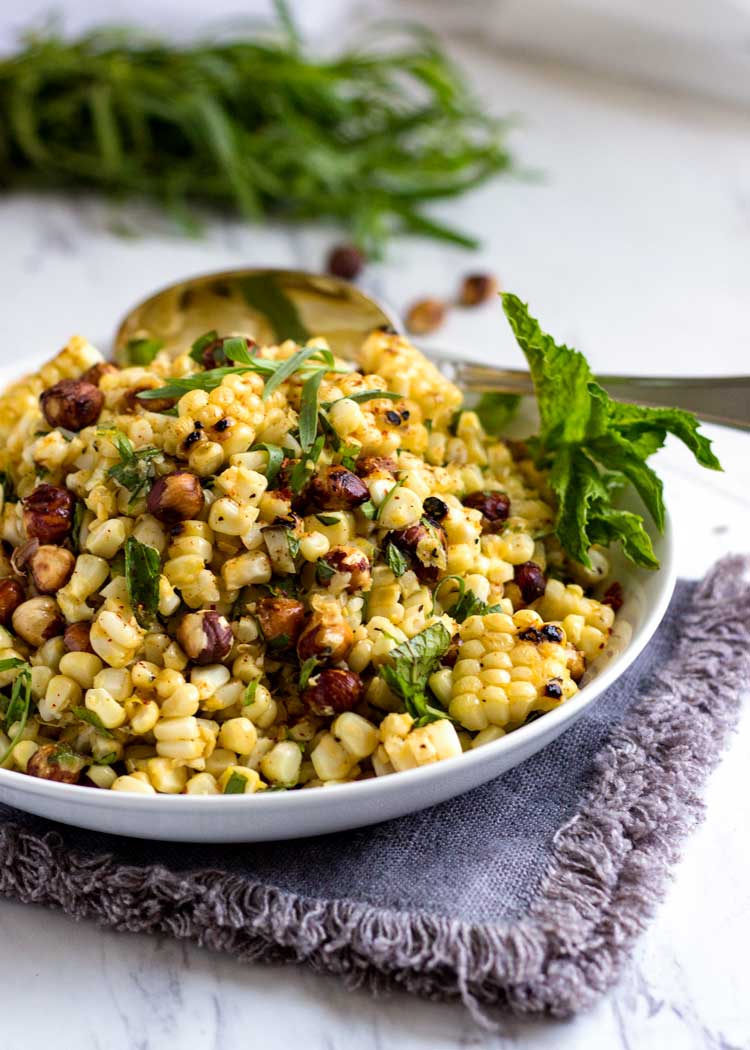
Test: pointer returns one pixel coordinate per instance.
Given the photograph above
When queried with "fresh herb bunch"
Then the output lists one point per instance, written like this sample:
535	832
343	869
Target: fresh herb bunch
366	138
593	445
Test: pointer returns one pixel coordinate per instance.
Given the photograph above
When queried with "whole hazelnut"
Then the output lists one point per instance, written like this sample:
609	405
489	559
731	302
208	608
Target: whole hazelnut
205	636
48	513
176	497
425	316
477	288
94	374
37	620
280	618
72	404
51	567
346	260
333	691
12	594
77	638
327	636
335	489
56	762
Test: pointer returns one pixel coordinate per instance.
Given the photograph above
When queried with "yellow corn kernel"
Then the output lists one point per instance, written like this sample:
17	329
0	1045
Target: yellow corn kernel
281	765
81	667
182	701
133	783
143	716
202	784
252	781
239	735
167	778
356	735
22	752
185	750
330	759
109	712
62	693
102	776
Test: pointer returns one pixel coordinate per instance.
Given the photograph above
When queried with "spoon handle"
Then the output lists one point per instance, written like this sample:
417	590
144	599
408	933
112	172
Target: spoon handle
718	399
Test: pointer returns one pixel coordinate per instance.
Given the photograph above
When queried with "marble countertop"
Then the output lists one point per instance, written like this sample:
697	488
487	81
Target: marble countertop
634	246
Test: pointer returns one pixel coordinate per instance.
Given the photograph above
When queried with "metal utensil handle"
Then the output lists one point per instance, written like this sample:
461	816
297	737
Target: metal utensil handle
718	399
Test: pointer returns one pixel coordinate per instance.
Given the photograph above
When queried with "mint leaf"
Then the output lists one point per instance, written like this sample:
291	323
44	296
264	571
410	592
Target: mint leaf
409	668
397	562
142	351
495	411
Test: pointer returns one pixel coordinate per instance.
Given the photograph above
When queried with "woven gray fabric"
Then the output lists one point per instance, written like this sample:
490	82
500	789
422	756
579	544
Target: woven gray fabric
526	893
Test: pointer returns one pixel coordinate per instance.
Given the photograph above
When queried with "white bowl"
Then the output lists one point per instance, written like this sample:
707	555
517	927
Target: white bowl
294	814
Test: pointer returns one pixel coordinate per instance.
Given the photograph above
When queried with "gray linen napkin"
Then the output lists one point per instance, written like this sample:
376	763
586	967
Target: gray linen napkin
525	893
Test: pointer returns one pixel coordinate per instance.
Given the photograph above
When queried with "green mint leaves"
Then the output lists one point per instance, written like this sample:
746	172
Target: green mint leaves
142	573
593	444
410	667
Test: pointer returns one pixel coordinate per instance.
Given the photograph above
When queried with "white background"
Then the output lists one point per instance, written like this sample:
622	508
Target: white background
635	247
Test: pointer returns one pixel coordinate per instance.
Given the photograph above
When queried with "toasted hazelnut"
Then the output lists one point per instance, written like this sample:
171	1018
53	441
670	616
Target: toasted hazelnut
213	356
280	618
530	581
333	691
477	288
37	620
131	400
425	316
494	506
77	638
345	260
94	374
353	562
72	404
12	593
56	762
335	488
176	497
205	636
376	465
423	543
51	568
326	636
48	513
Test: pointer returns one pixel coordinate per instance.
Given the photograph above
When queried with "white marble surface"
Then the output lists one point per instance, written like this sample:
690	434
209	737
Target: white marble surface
636	248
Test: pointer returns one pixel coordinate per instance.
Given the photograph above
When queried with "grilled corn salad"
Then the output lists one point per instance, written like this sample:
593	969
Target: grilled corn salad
245	569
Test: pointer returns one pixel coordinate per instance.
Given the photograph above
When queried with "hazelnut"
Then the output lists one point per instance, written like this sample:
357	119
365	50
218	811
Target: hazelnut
51	568
72	404
94	374
213	356
530	581
205	636
477	288
176	497
280	618
376	465
48	513
351	561
494	506
56	762
346	260
327	635
12	593
335	489
37	620
77	638
425	544
131	400
425	316
333	691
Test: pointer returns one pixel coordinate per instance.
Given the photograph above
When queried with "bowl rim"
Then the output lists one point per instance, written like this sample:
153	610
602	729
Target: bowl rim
360	791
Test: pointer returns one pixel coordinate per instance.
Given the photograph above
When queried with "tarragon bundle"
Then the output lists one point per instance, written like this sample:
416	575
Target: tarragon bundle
366	138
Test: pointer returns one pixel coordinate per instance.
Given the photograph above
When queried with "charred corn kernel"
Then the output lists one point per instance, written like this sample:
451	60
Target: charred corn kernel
109	712
81	667
434	742
143	716
330	759
228	518
242	485
165	777
133	783
250	777
182	701
281	765
251	567
202	784
356	735
62	693
239	735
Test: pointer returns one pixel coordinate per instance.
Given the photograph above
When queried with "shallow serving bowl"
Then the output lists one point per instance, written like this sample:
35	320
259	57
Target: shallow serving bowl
293	814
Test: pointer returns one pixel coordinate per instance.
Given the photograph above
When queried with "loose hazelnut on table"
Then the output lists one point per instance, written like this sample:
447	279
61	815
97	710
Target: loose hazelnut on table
77	638
48	513
176	497
280	618
37	620
477	288
346	260
12	594
425	316
51	567
72	404
333	691
56	762
205	636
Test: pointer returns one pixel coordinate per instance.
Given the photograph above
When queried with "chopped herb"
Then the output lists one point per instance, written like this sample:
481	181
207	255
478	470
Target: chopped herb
365	395
79	510
285	369
327	519
142	573
304	468
368	509
468	603
93	719
275	459
249	698
200	344
349	454
106	760
235	785
19	705
308	416
387	499
292	543
587	438
397	561
141	351
323	571
307	670
410	665
135	471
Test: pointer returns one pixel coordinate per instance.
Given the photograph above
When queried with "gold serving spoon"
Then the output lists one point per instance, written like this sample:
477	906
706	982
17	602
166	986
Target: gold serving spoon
272	305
